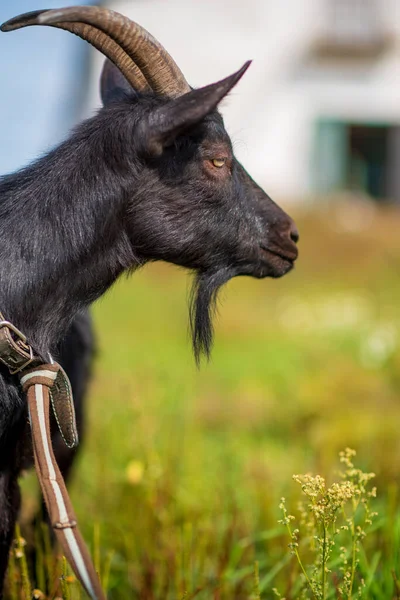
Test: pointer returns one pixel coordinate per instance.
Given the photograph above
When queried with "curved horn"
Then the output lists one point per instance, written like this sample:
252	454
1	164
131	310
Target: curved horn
158	67
94	36
160	70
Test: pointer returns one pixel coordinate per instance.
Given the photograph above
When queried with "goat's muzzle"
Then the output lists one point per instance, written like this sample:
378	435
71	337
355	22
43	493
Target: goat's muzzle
280	252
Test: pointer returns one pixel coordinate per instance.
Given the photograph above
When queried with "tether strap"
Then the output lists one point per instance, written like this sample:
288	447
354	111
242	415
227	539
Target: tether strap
37	384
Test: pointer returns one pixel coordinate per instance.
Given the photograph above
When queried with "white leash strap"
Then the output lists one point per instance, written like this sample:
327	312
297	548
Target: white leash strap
37	384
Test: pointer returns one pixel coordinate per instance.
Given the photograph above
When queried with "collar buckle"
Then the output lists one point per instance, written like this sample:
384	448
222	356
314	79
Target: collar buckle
16	354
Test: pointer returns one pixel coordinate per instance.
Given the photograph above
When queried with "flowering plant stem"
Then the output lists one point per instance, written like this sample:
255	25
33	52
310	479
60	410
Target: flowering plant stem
327	534
323	574
297	555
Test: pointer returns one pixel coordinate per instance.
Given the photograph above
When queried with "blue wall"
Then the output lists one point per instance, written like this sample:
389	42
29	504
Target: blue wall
43	74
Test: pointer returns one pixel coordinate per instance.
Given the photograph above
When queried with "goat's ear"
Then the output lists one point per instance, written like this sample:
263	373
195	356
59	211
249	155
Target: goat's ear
165	123
113	84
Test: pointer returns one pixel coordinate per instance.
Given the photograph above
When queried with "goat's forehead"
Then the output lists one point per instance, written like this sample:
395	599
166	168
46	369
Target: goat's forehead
215	132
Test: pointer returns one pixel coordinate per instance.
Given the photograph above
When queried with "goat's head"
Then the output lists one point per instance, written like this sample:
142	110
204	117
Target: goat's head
191	202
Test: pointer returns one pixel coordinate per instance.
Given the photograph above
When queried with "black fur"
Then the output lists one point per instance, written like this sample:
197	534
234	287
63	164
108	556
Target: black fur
136	183
203	306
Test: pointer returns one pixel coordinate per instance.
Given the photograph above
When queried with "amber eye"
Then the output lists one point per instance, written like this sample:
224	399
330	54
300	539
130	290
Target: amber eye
219	162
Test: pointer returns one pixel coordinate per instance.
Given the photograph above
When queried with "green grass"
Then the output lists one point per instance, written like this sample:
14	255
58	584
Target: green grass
182	471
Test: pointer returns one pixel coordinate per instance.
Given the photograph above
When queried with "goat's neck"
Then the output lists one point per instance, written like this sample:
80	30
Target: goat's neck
62	236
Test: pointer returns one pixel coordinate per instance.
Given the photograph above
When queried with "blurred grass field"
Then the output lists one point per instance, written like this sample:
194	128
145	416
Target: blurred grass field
182	471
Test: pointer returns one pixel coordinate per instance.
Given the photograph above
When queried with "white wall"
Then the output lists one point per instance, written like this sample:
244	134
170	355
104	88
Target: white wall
270	114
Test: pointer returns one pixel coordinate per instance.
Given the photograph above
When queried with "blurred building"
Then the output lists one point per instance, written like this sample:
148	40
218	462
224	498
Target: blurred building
319	109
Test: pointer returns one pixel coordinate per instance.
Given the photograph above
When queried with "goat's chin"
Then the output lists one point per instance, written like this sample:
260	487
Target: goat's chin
274	268
278	269
275	264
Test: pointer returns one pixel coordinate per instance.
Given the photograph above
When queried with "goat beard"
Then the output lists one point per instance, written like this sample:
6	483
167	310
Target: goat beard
202	309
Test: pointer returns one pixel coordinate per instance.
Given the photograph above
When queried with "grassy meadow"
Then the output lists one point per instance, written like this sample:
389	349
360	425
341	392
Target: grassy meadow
181	473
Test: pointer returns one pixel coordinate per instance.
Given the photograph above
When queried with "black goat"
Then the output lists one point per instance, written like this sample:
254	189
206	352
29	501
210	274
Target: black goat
151	177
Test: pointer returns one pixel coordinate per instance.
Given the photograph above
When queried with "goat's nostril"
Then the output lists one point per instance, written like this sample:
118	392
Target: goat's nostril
294	233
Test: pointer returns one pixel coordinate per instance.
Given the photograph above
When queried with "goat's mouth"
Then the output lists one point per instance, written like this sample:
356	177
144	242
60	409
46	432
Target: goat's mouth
278	261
